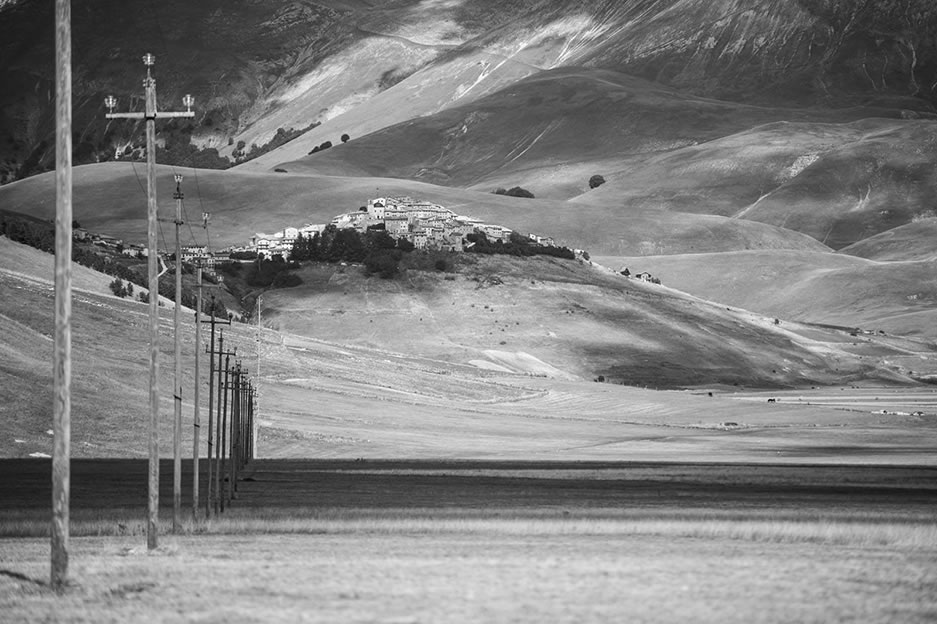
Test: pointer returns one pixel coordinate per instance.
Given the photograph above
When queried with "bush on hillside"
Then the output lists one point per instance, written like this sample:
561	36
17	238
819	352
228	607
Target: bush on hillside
117	287
263	273
518	245
515	192
596	181
384	262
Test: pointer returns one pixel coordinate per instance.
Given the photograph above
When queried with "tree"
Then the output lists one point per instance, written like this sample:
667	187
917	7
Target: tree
117	287
345	138
596	181
384	262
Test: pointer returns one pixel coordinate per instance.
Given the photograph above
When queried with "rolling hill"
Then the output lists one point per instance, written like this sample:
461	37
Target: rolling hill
897	297
111	198
458	386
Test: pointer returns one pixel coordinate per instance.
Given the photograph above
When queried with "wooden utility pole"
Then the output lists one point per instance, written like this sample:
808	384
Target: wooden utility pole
235	431
209	507
195	394
223	424
62	366
260	337
177	372
150	114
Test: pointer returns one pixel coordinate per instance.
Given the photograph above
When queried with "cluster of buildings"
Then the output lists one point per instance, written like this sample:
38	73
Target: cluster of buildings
205	257
115	245
426	225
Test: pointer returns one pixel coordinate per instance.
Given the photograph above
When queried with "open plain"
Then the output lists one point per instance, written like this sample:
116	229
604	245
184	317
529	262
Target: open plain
424	541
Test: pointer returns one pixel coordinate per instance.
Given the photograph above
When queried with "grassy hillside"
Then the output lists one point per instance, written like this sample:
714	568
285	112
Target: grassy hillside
914	241
111	198
412	369
562	318
896	297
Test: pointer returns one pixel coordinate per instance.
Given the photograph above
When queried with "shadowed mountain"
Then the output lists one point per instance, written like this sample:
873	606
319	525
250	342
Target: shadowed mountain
359	66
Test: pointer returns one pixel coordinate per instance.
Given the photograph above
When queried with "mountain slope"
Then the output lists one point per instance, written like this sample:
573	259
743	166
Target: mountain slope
897	297
914	241
560	319
256	68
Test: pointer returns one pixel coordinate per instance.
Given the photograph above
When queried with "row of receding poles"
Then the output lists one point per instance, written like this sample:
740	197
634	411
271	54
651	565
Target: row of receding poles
230	440
235	385
227	452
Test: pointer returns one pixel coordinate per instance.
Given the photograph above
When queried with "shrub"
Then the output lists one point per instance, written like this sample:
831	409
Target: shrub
596	181
384	262
345	138
519	192
286	280
117	287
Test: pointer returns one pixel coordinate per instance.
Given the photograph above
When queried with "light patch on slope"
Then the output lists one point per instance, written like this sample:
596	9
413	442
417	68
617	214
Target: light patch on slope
331	69
575	33
441	32
801	163
525	363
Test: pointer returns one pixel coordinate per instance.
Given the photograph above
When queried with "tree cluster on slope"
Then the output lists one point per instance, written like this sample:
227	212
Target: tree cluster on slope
516	191
518	245
376	249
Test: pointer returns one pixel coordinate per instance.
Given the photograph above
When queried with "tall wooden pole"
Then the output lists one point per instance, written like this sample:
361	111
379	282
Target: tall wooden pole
211	413
152	231
177	373
196	424
235	413
260	337
223	427
150	114
62	370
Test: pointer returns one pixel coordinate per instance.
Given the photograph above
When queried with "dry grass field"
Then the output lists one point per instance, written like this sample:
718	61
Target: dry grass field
412	577
321	541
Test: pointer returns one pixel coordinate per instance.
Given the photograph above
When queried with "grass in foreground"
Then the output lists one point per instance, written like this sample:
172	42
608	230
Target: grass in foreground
854	529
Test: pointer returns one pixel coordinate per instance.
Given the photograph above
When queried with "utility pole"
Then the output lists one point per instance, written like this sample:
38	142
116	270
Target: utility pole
235	431
196	416
149	115
211	404
223	425
177	373
237	427
62	365
195	394
254	431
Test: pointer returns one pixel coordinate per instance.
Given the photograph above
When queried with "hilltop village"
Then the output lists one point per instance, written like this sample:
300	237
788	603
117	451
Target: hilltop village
424	224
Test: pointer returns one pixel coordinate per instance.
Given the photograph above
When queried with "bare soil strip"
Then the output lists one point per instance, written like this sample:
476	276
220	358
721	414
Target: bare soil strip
285	487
